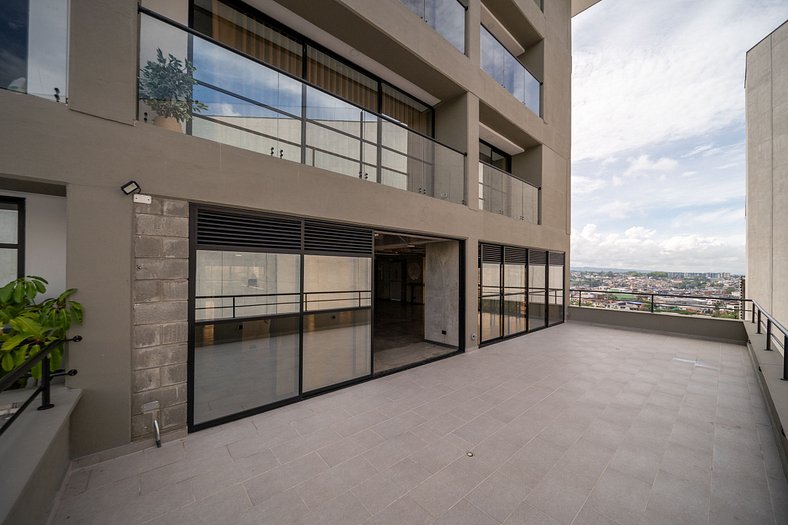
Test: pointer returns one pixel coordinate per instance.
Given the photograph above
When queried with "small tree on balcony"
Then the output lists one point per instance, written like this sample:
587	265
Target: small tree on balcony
166	85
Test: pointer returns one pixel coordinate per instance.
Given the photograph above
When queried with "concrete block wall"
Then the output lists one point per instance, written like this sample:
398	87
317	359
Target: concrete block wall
159	321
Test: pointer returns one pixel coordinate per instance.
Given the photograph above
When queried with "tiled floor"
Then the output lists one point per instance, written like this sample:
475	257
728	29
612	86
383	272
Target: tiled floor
576	424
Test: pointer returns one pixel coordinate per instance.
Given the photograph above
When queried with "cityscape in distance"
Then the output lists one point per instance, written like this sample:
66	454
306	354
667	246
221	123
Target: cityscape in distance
715	294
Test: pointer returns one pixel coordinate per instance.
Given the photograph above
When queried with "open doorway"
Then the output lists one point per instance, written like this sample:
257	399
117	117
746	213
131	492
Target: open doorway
416	311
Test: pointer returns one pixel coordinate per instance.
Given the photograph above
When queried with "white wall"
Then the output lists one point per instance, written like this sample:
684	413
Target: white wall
45	238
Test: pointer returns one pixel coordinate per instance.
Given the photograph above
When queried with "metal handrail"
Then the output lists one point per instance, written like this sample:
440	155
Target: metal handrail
8	380
654	304
771	323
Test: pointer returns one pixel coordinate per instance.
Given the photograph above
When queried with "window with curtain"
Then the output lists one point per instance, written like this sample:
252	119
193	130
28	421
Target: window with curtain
406	110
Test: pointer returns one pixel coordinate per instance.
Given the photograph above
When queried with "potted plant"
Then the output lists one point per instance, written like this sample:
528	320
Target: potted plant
166	86
29	326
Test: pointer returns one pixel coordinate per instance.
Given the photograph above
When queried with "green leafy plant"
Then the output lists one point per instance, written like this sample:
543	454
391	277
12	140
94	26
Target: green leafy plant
29	326
166	86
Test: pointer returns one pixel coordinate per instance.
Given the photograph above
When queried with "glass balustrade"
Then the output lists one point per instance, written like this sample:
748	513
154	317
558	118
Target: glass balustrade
34	47
246	104
509	72
502	193
447	17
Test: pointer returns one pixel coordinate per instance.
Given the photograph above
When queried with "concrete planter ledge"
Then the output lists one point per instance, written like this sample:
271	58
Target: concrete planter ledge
769	368
34	454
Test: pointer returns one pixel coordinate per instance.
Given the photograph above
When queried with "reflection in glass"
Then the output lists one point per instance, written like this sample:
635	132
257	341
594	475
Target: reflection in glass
33	47
8	265
245	284
9	223
337	282
447	17
244	365
337	347
514	306
536	296
490	301
502	193
556	295
509	72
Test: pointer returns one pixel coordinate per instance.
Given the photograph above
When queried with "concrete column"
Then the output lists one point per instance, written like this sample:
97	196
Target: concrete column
457	125
471	294
473	20
441	292
103	59
98	265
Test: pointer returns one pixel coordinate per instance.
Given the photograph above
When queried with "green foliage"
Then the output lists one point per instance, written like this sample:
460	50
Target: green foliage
166	86
30	326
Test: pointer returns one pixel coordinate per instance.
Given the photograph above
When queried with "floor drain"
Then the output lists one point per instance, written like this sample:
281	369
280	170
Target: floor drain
469	454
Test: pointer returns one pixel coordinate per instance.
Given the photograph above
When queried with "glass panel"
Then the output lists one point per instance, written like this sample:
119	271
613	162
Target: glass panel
406	110
230	285
337	347
449	20
251	36
9	225
8	265
536	296
341	79
556	295
34	47
514	306
243	365
490	301
509	72
337	282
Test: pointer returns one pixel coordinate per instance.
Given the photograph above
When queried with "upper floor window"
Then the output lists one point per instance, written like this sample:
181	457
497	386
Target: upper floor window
509	72
12	238
447	17
495	157
34	47
254	34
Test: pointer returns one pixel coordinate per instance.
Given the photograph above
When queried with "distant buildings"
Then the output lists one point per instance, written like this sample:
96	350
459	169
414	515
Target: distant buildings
766	93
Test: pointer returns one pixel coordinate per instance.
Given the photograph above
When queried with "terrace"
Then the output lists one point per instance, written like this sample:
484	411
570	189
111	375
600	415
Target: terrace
576	424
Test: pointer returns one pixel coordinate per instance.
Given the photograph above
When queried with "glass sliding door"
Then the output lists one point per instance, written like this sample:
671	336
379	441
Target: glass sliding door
490	300
537	291
337	305
555	298
514	291
246	331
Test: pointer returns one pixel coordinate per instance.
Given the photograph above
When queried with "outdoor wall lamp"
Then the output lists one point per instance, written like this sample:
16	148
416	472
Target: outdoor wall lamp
131	187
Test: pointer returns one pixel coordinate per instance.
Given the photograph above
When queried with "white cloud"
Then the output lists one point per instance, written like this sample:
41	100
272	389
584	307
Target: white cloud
719	217
698	149
582	185
643	249
655	72
643	164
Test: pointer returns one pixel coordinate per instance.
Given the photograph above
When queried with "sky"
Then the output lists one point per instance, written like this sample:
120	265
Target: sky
658	132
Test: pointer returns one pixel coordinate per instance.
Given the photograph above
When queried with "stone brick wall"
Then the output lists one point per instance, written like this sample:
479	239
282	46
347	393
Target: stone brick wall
160	322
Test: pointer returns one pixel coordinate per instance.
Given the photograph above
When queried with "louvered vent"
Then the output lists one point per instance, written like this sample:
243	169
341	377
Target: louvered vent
247	231
336	238
491	253
514	255
556	259
537	257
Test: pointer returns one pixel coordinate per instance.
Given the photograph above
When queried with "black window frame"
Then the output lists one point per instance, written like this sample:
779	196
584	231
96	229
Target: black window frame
19	203
495	151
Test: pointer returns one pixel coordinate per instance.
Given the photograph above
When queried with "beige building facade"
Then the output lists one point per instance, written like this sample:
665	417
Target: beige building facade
370	186
766	84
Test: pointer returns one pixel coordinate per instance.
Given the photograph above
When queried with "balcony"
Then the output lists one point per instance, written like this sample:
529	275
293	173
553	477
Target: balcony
510	73
500	192
256	107
447	17
576	424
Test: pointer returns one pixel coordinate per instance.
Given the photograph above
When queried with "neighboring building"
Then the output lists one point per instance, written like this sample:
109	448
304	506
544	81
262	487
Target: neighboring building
766	88
327	217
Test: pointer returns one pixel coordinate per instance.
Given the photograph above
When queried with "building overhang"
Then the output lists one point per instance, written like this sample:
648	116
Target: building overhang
578	6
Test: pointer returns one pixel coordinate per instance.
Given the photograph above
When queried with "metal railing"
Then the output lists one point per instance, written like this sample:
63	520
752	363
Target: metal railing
254	106
762	318
44	386
239	305
656	302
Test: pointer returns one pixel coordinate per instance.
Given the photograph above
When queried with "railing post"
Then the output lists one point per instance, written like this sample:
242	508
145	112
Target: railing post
768	335
46	402
580	298
759	320
652	303
233	307
785	357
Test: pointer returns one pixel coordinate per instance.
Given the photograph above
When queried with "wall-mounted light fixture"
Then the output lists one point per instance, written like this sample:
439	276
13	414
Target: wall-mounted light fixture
131	187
